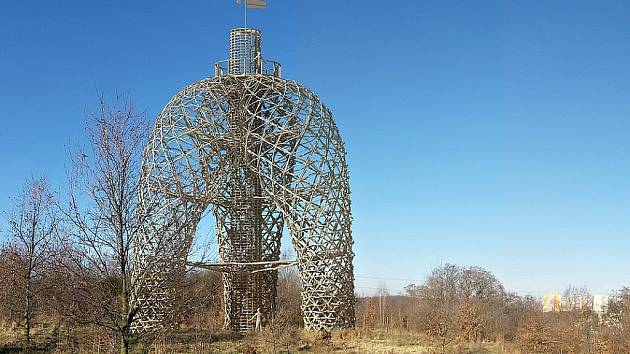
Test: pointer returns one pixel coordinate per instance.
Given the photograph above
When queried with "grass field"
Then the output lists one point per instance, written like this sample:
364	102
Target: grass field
57	340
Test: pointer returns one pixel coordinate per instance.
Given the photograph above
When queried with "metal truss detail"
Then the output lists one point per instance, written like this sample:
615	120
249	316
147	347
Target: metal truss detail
262	153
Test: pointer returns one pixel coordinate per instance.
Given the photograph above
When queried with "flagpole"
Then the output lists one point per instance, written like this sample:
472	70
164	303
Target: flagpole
245	13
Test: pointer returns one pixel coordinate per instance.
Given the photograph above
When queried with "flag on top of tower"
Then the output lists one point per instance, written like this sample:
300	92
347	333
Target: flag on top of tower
254	4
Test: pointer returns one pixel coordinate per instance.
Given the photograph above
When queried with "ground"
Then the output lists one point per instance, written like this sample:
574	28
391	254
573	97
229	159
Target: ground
269	341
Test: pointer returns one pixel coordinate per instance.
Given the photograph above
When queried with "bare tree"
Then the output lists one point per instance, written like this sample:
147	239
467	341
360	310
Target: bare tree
440	296
615	331
535	335
102	216
288	310
383	295
32	227
517	311
459	302
201	303
576	299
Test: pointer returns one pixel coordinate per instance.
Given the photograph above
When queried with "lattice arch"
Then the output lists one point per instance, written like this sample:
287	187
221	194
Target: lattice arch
263	153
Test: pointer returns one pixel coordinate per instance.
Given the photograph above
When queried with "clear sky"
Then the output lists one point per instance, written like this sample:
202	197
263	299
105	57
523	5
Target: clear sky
489	133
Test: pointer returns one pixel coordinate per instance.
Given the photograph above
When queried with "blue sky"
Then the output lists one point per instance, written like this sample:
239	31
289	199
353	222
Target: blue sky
489	133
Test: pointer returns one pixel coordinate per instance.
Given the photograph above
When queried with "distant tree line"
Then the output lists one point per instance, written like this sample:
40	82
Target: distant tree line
469	304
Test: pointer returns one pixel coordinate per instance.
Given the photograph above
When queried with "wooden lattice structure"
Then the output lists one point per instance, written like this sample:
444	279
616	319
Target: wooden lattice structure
262	153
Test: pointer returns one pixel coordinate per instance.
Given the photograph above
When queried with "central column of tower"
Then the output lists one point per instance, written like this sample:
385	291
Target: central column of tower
245	292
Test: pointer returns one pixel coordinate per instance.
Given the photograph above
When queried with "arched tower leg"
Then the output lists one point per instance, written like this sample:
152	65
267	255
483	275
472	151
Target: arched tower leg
271	236
160	260
320	232
307	175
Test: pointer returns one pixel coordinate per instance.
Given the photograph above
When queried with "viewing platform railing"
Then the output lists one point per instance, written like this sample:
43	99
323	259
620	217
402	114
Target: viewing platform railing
264	67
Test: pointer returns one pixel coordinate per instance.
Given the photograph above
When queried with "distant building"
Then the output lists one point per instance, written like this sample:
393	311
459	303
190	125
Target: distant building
552	303
600	304
579	301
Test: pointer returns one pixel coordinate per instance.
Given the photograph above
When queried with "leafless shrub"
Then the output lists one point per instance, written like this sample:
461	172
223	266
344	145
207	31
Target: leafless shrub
24	263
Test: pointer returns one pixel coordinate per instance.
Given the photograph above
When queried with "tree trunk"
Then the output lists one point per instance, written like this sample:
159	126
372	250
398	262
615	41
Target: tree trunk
124	344
27	320
124	309
27	329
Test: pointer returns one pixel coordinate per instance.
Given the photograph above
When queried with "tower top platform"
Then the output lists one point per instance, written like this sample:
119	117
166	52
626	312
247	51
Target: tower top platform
246	57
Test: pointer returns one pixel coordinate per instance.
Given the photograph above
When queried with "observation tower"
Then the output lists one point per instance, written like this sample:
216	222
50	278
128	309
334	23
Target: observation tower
262	153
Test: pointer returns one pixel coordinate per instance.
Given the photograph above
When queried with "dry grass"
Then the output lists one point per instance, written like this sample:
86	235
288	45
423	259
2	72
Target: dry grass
276	341
343	341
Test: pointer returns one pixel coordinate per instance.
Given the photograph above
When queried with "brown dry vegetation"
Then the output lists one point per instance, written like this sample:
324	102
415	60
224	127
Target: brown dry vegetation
269	341
456	310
